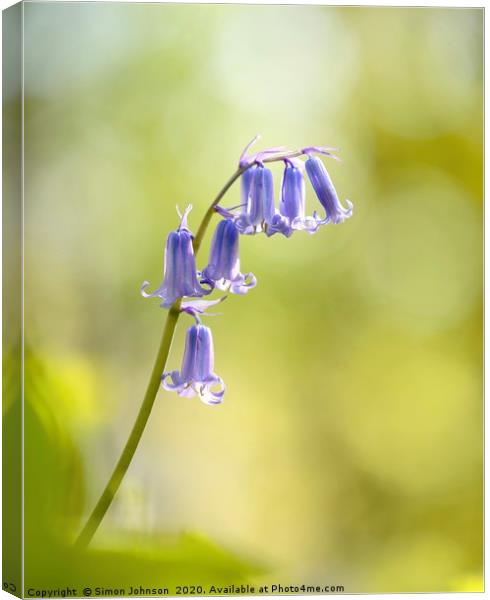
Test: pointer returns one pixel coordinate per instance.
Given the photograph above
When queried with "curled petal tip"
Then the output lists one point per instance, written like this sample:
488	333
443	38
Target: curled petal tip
210	396
243	283
144	285
348	209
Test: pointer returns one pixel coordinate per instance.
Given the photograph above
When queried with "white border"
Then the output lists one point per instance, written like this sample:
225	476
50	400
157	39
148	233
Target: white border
362	3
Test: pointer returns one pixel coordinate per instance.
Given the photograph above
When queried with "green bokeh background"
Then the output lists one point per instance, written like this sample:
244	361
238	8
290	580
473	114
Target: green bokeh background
349	447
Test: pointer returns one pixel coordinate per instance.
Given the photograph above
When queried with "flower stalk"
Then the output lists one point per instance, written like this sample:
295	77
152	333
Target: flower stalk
180	281
134	438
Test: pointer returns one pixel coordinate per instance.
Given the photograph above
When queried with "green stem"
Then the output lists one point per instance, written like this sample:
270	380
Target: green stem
210	212
134	437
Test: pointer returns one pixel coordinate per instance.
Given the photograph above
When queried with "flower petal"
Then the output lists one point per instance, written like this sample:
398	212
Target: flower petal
309	224
210	396
242	283
188	391
279	224
245	227
146	294
172	381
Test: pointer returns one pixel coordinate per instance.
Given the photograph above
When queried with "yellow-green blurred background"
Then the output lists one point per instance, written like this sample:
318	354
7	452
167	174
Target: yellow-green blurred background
349	447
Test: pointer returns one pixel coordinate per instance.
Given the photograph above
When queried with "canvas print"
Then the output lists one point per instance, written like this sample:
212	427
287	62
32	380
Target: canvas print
242	315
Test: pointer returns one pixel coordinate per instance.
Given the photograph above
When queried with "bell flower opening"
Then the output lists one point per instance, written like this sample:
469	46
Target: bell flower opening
223	269
180	277
197	377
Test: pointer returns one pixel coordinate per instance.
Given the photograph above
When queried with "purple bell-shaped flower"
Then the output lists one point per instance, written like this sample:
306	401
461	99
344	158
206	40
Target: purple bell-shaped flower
326	193
223	270
291	215
259	211
196	377
180	276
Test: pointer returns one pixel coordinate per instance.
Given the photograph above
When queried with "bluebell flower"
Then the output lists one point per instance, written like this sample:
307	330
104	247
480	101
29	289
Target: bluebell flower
326	193
259	211
223	270
291	215
196	377
180	276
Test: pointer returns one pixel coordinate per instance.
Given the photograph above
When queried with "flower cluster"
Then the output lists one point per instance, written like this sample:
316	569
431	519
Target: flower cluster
257	213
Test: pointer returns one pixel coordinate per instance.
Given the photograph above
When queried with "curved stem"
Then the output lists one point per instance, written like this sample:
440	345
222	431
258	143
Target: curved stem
134	437
210	212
